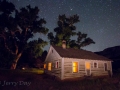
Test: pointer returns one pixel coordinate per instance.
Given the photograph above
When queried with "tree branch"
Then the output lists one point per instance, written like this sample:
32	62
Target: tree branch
16	51
6	46
13	32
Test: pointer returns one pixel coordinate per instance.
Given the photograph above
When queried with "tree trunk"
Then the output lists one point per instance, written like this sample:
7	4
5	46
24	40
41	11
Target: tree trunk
14	64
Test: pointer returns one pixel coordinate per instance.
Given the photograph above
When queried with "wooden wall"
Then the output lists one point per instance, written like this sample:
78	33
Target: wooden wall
52	54
52	57
100	71
68	68
65	66
54	71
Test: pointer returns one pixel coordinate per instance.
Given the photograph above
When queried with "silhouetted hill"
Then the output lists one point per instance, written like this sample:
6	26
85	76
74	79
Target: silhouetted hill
112	53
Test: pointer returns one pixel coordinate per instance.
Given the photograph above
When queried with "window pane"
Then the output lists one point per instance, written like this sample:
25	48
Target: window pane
87	65
95	65
56	64
73	69
75	66
44	66
49	66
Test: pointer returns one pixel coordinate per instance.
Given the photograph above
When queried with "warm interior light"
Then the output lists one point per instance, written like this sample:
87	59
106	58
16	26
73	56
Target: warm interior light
75	66
44	66
49	66
87	65
23	68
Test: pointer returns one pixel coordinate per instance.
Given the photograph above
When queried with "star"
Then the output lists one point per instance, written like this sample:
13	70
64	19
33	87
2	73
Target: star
98	18
71	9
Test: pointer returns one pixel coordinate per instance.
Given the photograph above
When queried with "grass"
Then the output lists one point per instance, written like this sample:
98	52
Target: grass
34	70
30	70
40	81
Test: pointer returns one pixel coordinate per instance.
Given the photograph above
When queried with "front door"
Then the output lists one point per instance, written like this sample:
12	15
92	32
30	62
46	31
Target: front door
105	66
87	68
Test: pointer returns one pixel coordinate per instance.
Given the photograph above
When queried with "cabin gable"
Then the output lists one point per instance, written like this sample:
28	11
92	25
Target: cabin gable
53	63
52	54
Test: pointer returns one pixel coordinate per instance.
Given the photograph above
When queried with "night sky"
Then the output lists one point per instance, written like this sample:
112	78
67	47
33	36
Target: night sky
100	19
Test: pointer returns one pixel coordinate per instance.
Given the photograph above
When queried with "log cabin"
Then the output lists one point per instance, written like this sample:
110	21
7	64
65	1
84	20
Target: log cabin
67	63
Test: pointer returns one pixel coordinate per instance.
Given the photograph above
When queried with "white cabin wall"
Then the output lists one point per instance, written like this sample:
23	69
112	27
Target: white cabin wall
52	57
62	69
65	66
68	68
100	71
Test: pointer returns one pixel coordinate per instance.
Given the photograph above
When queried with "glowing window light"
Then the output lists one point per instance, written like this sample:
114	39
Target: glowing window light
87	65
49	66
45	66
75	66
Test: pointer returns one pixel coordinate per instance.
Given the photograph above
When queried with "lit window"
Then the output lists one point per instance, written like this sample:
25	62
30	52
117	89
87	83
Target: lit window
44	66
87	65
49	66
56	64
95	65
75	67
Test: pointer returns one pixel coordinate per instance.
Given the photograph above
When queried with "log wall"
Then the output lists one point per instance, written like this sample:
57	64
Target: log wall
99	71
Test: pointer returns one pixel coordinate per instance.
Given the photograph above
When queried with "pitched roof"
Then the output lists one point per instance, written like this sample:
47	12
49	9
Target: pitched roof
78	53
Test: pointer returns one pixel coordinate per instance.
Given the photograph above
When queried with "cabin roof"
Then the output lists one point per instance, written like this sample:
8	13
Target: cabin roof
78	53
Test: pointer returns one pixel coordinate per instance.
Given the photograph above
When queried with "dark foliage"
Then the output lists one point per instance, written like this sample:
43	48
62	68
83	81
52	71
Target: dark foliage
65	30
18	26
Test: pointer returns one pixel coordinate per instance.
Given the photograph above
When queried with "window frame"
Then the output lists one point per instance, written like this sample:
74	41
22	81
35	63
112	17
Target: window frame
49	66
86	69
96	64
56	64
105	69
45	66
76	67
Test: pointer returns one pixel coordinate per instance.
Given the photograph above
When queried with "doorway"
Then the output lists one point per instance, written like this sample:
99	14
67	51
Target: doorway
87	68
105	66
